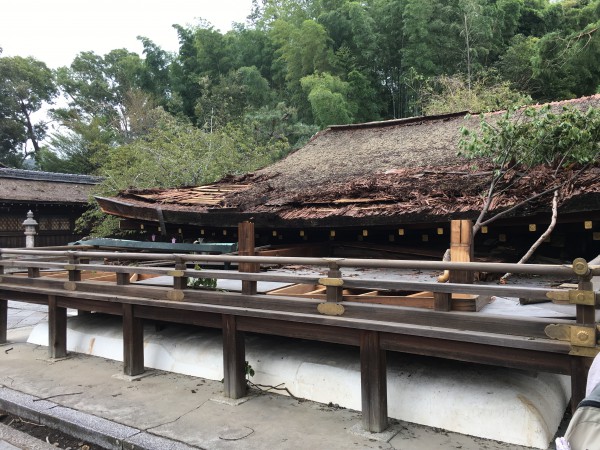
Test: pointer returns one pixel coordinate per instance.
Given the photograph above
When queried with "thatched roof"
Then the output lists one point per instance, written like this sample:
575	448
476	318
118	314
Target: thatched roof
395	171
29	186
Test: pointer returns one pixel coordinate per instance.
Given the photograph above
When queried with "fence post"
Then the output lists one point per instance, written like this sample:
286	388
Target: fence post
373	378
133	342
30	224
57	329
3	312
246	248
3	320
334	293
234	359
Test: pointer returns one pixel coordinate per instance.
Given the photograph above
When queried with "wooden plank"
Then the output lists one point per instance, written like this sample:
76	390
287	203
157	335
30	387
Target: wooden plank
198	318
3	320
299	330
476	352
89	305
57	329
133	342
373	382
234	359
246	247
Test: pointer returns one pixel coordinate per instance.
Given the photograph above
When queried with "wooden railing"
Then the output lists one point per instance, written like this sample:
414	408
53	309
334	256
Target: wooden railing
552	345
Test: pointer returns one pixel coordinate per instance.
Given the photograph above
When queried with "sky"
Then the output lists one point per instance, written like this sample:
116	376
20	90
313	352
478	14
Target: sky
55	31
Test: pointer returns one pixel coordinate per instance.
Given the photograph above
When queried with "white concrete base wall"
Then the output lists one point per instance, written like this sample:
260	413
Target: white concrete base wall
514	406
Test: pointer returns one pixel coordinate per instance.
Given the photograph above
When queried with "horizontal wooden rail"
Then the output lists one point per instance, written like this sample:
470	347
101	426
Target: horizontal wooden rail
364	283
529	269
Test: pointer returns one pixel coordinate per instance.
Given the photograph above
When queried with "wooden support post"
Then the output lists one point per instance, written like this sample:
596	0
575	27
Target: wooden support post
442	301
234	359
3	320
133	342
373	382
246	248
180	283
461	249
74	274
334	293
33	272
57	329
586	315
123	279
580	367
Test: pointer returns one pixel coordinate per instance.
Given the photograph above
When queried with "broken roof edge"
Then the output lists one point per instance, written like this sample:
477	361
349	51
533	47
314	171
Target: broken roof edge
395	122
447	116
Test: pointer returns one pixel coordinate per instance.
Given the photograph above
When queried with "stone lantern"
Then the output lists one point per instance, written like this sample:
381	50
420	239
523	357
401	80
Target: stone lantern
30	224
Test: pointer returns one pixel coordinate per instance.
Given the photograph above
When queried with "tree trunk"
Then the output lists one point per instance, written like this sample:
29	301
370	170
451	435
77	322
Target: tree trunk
541	239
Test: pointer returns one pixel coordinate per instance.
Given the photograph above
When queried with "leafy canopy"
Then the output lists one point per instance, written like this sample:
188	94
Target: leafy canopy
532	136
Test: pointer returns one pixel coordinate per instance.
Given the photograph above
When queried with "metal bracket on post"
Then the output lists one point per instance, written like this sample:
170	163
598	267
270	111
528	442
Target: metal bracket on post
574	297
583	335
583	339
333	284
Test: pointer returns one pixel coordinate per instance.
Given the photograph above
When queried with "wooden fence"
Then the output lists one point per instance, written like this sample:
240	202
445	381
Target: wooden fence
547	345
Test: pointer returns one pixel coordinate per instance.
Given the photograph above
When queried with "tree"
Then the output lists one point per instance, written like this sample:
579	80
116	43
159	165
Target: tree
97	86
328	98
175	153
26	84
566	143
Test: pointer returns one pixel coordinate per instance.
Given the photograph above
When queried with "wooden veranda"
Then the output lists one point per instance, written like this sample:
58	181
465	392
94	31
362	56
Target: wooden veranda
548	345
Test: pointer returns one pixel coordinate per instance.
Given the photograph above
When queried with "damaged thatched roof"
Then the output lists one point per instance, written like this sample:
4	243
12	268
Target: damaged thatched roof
25	186
396	171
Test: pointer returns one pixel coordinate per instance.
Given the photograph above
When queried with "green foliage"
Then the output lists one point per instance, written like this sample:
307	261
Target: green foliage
534	136
452	94
327	95
175	153
248	370
199	283
236	101
25	85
